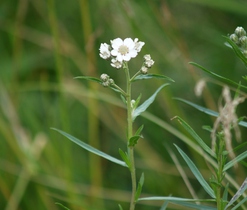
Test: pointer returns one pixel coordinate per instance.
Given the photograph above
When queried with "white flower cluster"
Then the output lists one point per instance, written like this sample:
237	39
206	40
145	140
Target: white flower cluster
120	50
148	63
106	80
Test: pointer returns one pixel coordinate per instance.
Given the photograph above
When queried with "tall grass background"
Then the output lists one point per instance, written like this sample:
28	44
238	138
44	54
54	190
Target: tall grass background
45	44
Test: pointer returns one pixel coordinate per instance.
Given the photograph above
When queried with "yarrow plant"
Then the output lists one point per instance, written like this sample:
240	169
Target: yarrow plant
120	52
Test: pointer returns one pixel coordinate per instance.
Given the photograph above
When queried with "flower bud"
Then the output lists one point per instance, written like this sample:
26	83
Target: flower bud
144	70
239	31
104	77
234	38
243	42
147	57
149	63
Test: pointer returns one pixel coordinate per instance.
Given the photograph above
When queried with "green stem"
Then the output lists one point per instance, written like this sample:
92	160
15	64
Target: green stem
220	173
129	135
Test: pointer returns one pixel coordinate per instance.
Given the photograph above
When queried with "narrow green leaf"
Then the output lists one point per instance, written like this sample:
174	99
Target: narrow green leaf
198	107
139	130
142	108
151	76
196	137
90	148
196	173
164	206
123	99
133	140
125	157
207	111
223	79
235	160
62	206
137	102
139	187
239	204
182	202
238	193
120	207
89	78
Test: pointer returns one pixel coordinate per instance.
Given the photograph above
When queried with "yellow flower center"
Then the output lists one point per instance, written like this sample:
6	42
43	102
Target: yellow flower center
123	49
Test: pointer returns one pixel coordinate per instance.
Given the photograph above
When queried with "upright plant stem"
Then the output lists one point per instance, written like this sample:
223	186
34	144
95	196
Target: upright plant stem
220	173
129	135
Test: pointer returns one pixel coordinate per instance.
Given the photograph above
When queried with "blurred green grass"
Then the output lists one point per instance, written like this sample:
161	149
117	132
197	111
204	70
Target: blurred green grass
45	44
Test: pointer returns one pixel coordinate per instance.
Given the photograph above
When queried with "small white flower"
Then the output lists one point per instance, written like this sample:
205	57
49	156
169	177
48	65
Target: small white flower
138	45
105	51
123	50
116	64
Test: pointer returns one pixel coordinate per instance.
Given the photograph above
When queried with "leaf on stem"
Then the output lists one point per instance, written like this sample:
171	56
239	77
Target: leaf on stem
238	193
235	160
139	187
90	148
125	157
151	76
164	206
196	137
133	140
62	206
142	108
182	202
218	77
196	173
208	111
120	207
94	79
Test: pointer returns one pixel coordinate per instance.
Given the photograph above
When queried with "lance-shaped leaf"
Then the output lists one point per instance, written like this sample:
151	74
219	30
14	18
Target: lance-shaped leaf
94	79
207	111
182	201
218	77
196	173
91	149
151	76
238	193
133	140
196	137
125	157
235	160
139	187
142	108
164	206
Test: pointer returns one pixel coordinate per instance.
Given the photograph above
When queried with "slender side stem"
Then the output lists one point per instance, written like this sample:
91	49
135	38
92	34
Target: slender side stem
220	173
129	135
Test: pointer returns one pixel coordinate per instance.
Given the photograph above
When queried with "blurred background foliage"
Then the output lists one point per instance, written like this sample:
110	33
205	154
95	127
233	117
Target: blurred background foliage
45	44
